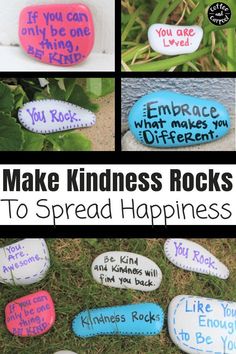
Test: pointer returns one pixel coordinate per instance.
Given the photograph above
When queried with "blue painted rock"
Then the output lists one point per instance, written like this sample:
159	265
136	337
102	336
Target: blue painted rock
130	320
201	325
126	270
24	262
193	257
49	116
168	119
173	40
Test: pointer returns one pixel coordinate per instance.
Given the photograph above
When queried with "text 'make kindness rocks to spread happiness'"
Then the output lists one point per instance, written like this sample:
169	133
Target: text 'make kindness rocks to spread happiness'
201	325
24	262
126	270
192	257
31	315
57	34
48	116
144	319
168	119
173	40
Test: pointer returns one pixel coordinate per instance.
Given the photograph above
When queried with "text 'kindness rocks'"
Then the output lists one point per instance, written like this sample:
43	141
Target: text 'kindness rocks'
173	40
137	319
193	257
49	116
201	325
169	119
24	262
31	315
126	270
57	34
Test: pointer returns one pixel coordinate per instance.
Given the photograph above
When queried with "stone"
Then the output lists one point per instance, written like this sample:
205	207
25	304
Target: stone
144	319
49	116
24	262
30	315
174	40
201	325
192	257
126	270
167	119
58	34
65	352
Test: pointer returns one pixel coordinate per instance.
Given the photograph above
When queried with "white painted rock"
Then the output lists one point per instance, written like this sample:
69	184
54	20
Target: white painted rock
24	262
65	352
201	325
126	270
173	40
50	116
193	257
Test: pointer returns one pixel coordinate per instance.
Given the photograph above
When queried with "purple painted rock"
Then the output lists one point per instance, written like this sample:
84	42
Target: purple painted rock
57	34
50	116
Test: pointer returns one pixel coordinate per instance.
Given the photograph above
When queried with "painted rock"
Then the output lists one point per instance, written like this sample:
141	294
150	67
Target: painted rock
57	34
130	320
126	270
24	262
172	40
31	315
193	257
201	325
168	119
49	116
65	352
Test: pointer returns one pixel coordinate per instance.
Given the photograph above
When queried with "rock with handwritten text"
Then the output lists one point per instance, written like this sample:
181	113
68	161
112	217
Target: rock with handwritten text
65	352
31	315
144	319
49	116
126	270
173	40
24	262
192	257
201	325
58	34
168	119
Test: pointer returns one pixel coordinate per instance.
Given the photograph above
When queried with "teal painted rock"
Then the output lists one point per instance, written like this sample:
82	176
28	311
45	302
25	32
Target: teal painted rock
168	119
201	325
144	319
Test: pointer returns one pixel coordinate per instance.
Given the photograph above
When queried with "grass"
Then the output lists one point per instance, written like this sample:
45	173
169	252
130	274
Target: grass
73	289
138	15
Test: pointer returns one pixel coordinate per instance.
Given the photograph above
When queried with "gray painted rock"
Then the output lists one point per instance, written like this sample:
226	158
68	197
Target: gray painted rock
200	325
126	270
192	257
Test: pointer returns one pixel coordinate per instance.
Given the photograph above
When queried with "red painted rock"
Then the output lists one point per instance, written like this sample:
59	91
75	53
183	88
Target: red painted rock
31	315
57	34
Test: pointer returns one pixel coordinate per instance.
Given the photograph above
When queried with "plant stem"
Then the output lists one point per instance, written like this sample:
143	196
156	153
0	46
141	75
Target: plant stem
132	20
231	49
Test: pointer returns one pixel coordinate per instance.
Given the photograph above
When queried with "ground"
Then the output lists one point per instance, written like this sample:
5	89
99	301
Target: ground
70	283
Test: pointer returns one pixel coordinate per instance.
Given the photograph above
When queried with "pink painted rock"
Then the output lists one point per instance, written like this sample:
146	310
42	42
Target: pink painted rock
57	34
31	315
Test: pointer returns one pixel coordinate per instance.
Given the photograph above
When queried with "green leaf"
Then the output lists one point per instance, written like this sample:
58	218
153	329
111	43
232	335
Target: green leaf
6	98
80	98
59	91
69	141
99	87
11	137
33	141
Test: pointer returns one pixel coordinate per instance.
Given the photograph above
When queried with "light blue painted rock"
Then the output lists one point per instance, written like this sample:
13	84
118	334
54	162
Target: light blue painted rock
168	119
200	325
144	319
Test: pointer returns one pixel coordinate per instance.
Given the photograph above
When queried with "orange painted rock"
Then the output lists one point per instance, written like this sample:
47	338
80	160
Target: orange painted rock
57	34
31	315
